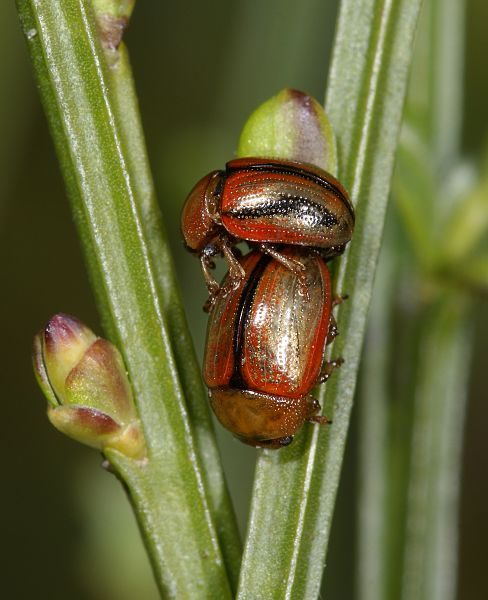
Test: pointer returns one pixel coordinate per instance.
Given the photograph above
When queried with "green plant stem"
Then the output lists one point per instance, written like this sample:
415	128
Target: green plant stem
186	361
440	394
430	566
113	204
419	422
295	489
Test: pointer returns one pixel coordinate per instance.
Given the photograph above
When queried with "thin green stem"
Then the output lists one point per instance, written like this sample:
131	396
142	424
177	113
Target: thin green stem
430	567
97	135
295	489
418	445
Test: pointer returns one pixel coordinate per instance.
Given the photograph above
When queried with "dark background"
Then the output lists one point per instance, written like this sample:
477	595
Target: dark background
66	530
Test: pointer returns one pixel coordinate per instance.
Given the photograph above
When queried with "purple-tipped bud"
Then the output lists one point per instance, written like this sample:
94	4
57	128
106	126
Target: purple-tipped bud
290	126
63	343
85	382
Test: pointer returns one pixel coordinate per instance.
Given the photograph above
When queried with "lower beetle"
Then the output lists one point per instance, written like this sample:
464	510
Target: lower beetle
265	348
265	202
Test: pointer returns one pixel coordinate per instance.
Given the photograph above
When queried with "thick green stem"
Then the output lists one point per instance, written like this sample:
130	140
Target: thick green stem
93	117
295	489
186	361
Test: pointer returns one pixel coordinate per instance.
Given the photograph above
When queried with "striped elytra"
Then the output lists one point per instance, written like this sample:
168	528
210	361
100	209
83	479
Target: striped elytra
265	202
265	347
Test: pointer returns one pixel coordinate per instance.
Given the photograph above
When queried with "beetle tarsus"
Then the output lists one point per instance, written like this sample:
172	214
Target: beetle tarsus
208	264
320	419
339	299
295	266
332	332
236	271
329	367
209	302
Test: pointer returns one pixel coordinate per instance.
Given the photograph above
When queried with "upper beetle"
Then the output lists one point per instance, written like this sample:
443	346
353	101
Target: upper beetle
265	348
265	202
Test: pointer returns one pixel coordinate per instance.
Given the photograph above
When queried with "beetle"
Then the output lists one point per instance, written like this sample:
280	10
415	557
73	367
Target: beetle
265	202
265	348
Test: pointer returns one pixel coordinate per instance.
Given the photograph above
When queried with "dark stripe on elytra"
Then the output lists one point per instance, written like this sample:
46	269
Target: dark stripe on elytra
302	173
243	310
288	205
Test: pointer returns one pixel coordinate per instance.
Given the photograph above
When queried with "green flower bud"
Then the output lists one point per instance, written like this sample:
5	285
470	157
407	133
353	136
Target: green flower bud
290	126
85	382
64	342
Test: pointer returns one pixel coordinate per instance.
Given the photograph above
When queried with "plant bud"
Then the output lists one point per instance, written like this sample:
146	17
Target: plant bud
85	382
290	126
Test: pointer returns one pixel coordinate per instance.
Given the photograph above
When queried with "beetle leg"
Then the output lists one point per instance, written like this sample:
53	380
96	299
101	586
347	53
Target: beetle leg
209	302
328	367
320	419
212	285
236	272
339	299
333	332
295	266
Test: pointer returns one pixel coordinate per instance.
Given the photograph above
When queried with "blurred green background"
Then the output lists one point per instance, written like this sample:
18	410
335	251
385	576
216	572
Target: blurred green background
66	528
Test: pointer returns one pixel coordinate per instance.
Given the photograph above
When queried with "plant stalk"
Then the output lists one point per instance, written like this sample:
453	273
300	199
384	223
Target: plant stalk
295	489
98	140
418	444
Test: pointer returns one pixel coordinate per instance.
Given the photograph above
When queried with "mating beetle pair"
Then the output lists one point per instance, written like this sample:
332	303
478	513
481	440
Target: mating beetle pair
271	318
